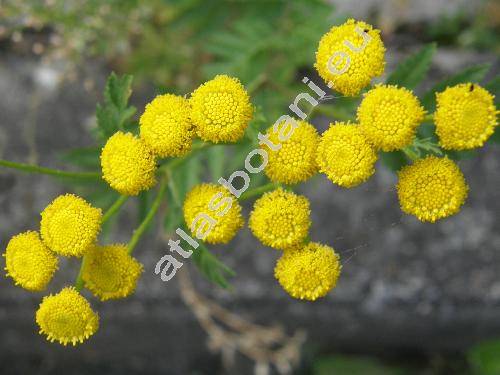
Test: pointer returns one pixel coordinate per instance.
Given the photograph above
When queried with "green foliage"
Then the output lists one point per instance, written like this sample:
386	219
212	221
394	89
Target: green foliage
472	74
394	160
86	158
410	72
115	113
351	365
484	358
211	267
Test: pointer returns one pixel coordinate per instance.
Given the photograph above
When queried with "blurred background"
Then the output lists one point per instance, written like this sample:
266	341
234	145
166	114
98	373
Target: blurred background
413	298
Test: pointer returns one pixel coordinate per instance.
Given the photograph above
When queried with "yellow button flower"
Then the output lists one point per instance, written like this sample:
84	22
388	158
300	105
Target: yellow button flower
29	262
350	67
295	161
389	116
221	110
203	205
308	272
431	188
280	219
66	317
465	116
109	272
345	155
70	225
128	165
166	126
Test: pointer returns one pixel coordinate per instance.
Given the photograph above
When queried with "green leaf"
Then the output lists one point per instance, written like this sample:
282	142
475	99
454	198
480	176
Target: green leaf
411	71
211	267
495	137
394	160
216	158
493	87
87	157
485	358
114	113
472	74
118	90
340	364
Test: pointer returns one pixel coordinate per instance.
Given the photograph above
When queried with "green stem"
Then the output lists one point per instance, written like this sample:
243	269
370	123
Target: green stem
408	151
114	208
428	117
178	161
259	190
149	217
29	168
107	215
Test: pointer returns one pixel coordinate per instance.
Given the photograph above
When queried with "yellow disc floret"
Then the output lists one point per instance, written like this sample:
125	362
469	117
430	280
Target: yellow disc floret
29	262
70	225
432	188
280	219
389	116
295	161
109	272
166	126
66	317
221	109
345	155
211	211
465	116
308	272
349	56
128	164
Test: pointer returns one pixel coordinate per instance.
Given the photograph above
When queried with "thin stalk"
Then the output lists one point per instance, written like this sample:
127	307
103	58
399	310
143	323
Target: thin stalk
107	215
259	190
114	208
428	117
178	161
136	236
30	168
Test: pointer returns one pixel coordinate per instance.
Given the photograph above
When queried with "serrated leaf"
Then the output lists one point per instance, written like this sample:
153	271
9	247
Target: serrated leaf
114	113
472	74
412	71
118	90
394	160
211	267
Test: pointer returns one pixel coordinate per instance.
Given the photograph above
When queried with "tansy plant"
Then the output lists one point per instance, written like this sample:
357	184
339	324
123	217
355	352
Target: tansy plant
419	138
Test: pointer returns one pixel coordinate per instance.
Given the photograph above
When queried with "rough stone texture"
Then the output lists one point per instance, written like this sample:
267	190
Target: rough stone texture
405	287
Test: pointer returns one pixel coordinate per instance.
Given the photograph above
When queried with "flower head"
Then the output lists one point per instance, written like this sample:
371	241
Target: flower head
431	188
209	204
295	161
389	116
66	317
109	272
280	219
345	155
350	70
221	109
128	165
29	262
70	225
465	116
166	125
308	272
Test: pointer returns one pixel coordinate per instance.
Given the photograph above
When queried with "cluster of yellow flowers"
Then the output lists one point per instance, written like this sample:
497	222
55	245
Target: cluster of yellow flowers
219	111
69	226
